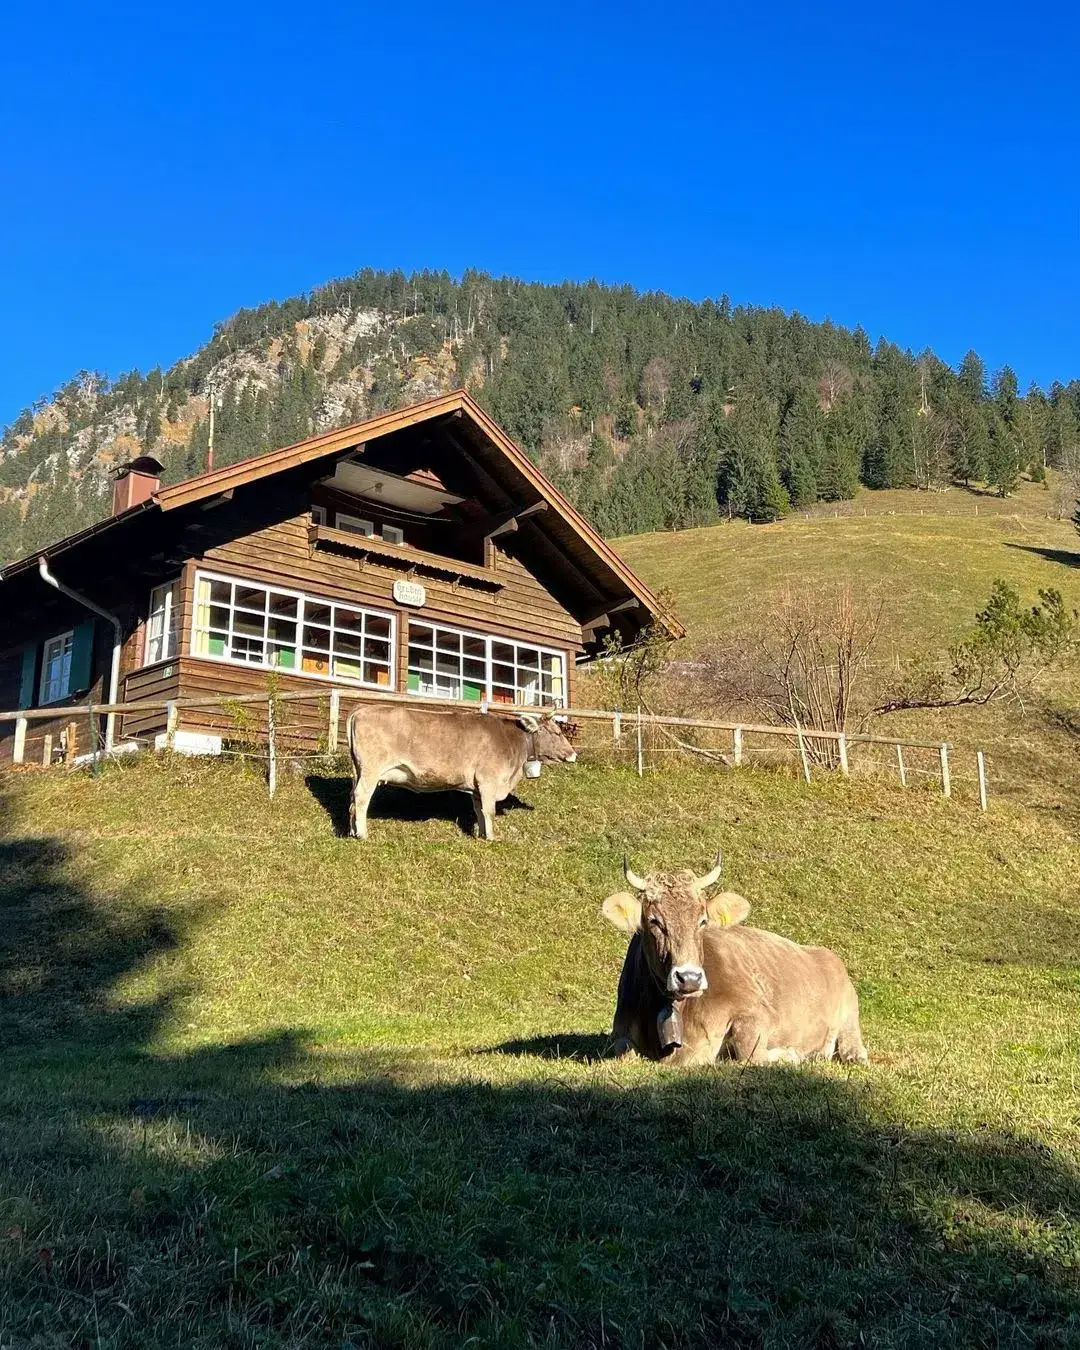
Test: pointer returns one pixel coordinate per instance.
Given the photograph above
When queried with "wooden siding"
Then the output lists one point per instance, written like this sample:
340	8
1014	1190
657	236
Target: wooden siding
159	681
280	554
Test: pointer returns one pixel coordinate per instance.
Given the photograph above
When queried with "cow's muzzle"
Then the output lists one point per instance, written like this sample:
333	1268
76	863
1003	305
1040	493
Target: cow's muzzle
682	981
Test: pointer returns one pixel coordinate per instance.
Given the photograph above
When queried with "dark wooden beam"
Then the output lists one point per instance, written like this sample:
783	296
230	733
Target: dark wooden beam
219	500
602	618
489	483
507	521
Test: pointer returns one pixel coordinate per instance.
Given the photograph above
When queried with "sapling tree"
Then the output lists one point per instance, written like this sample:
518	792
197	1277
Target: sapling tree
1010	649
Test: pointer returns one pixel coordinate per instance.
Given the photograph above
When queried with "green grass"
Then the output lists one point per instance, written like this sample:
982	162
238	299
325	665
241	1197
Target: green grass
262	1086
934	568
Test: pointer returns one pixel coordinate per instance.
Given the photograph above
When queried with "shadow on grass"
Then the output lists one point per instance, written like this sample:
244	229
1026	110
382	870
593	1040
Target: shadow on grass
572	1045
1067	557
398	803
263	1194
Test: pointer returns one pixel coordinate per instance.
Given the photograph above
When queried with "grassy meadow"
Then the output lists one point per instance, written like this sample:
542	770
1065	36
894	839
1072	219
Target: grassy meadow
932	560
262	1086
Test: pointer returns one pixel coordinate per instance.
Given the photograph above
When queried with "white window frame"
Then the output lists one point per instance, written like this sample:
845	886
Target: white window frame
397	530
169	628
488	639
44	681
355	524
303	598
318	515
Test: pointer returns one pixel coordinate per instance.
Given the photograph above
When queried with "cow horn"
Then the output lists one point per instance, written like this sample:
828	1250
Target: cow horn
632	878
711	878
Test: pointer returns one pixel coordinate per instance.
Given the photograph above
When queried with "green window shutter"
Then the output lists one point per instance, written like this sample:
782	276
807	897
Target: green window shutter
82	652
26	683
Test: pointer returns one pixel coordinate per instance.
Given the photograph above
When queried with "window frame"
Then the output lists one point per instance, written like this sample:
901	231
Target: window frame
400	542
171	617
303	598
368	533
489	662
318	514
69	636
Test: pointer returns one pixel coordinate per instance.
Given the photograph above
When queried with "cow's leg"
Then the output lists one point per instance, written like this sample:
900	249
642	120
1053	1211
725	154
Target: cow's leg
748	1040
484	806
620	1047
849	1045
358	808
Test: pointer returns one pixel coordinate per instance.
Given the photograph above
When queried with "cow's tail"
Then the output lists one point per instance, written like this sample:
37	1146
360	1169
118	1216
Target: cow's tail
351	738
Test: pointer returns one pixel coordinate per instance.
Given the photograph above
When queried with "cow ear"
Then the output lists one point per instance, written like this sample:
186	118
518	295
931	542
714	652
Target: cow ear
727	909
529	723
623	910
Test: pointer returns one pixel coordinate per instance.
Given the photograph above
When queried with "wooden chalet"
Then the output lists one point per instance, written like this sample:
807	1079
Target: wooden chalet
419	552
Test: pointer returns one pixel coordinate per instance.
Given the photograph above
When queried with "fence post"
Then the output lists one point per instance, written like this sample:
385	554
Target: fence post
802	752
616	728
981	761
46	750
335	717
946	783
19	749
640	746
736	745
900	765
842	745
171	714
271	747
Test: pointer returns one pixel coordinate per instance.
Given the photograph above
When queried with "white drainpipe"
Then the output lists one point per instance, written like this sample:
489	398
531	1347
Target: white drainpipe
118	640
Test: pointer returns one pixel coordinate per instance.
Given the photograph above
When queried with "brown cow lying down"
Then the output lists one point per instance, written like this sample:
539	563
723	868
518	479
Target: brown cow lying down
697	985
484	755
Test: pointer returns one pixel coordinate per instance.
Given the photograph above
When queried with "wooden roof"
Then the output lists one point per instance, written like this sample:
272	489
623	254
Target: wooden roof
590	554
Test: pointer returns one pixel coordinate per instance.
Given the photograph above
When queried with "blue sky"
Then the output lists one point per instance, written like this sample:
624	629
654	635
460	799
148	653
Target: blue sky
911	169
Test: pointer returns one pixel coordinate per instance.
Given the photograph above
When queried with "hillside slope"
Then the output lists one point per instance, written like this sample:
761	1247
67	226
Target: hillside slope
932	560
262	1085
648	410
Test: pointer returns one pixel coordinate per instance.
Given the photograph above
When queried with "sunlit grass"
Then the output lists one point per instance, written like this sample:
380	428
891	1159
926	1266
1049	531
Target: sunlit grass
262	1085
933	568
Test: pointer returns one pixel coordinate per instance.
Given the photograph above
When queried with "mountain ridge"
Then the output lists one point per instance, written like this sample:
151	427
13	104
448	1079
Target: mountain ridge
648	411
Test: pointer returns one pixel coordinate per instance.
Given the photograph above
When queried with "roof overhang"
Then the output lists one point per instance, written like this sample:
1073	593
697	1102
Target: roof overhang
618	588
360	479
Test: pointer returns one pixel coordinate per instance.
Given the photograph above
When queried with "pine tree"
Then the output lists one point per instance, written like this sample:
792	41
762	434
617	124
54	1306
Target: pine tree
971	378
970	441
1002	460
749	477
802	449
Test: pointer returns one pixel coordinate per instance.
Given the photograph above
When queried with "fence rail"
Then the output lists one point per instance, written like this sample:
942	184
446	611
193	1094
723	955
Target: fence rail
642	733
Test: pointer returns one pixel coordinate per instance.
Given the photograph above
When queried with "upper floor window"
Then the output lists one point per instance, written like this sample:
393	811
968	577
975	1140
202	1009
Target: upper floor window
56	668
448	663
355	525
392	534
259	626
161	623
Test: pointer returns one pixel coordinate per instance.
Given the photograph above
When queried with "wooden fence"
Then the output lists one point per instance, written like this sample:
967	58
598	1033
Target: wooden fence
263	726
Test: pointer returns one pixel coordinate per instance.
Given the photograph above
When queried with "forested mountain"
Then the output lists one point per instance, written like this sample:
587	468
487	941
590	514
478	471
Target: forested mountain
650	412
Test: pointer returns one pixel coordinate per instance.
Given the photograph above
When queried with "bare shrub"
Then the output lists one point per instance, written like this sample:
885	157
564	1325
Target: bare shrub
807	662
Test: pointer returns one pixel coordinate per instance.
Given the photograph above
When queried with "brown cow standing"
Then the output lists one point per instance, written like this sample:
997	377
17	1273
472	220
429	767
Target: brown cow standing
485	756
697	985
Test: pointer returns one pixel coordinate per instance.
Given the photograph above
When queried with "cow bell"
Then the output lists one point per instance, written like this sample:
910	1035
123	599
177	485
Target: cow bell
532	768
669	1028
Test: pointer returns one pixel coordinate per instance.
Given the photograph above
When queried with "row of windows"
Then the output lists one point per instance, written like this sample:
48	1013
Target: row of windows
392	534
260	626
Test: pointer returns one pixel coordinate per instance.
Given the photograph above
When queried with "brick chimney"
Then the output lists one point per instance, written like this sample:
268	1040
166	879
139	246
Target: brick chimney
135	482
